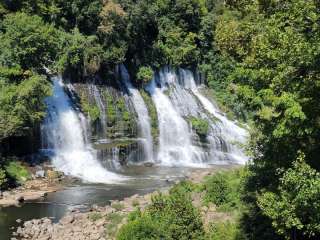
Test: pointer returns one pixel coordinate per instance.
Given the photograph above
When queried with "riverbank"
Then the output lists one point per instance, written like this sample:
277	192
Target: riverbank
30	191
103	222
40	183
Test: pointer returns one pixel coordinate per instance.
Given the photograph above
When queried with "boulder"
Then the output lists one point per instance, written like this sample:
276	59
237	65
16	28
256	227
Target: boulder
40	174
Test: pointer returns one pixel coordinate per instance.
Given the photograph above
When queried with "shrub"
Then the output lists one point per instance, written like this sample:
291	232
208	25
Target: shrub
185	186
135	203
217	189
168	217
114	221
17	171
224	189
145	74
179	217
3	177
95	216
117	206
143	228
226	231
201	126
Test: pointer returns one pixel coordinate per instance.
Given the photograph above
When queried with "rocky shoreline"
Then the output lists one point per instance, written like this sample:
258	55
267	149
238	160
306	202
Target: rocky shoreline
102	223
43	181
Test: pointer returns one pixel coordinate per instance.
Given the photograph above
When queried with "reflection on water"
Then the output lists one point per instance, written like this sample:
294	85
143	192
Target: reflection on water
142	180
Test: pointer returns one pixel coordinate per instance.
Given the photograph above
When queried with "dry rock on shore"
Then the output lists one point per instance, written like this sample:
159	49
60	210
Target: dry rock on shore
100	223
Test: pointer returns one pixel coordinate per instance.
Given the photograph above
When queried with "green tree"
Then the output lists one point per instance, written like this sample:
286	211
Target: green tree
28	42
295	207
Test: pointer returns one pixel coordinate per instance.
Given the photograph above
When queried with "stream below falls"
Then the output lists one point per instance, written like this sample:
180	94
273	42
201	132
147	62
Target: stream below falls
141	180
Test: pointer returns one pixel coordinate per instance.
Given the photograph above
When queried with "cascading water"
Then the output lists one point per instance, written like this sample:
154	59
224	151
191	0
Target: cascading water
175	144
64	132
176	98
143	115
102	109
229	131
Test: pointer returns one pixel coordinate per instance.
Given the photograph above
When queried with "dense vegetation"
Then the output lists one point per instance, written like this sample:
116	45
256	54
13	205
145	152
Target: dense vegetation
174	216
260	56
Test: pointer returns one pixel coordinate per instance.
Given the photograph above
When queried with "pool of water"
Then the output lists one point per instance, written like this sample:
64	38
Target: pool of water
141	180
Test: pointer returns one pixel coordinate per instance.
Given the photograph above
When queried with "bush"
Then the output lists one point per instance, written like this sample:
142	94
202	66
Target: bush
226	231
114	219
117	206
143	228
176	214
224	190
3	177
145	74
17	171
217	189
95	216
168	217
201	126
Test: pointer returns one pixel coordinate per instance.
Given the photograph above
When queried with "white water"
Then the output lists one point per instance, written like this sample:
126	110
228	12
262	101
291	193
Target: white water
64	132
96	93
229	131
175	144
177	97
143	115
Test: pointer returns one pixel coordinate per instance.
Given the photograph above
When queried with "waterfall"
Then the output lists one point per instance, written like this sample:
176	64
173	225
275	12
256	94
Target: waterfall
177	97
64	132
143	115
175	143
102	109
229	131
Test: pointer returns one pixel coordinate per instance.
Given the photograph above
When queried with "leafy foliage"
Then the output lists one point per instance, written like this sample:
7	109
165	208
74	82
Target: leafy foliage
294	208
17	171
225	230
224	189
27	42
145	74
168	217
201	126
21	105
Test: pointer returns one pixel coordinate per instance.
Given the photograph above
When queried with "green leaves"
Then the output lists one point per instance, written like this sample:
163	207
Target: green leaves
22	105
82	54
296	204
27	42
167	217
145	74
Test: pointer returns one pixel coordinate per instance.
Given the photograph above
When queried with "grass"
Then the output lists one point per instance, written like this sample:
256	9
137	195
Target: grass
17	171
135	203
114	219
117	206
95	216
226	231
